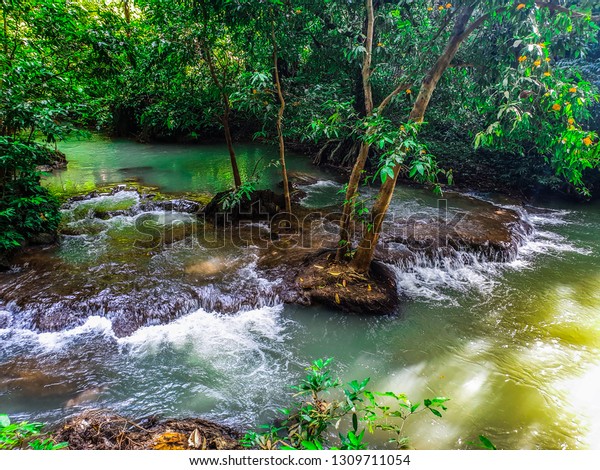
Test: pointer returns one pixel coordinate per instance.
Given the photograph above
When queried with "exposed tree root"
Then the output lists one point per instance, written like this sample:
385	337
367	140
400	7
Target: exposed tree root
101	430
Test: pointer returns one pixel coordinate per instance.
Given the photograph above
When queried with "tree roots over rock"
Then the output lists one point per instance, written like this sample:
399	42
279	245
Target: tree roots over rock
326	282
98	430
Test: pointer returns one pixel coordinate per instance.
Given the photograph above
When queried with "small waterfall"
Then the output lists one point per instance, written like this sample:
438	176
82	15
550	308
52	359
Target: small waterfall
435	271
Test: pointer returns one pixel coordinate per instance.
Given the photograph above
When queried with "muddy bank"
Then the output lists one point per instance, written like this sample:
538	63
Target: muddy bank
100	430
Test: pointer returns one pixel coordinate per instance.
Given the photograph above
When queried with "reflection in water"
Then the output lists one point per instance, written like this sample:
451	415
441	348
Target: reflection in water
181	330
174	168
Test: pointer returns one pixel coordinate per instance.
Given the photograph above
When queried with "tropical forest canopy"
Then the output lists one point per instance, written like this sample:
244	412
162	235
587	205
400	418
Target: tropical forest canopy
398	88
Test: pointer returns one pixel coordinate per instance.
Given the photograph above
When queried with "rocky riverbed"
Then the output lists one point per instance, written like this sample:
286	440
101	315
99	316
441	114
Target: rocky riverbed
141	259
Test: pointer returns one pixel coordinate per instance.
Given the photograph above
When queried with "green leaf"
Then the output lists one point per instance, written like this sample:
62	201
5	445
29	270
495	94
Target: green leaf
487	443
4	420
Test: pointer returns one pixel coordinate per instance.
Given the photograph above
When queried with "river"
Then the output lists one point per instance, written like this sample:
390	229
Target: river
515	346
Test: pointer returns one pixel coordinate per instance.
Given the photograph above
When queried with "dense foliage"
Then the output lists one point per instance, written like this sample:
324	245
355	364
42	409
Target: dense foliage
409	84
43	47
26	208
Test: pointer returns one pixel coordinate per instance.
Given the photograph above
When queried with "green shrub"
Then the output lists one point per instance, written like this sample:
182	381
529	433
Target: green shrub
19	435
308	422
26	208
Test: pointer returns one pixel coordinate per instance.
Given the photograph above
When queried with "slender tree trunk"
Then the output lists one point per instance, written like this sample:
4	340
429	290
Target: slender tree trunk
126	11
234	166
366	248
225	118
351	192
5	24
359	165
286	187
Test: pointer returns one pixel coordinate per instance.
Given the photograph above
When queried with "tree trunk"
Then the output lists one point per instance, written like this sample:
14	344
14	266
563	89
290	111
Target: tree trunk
5	24
435	73
351	192
366	248
286	186
359	165
126	11
225	118
234	166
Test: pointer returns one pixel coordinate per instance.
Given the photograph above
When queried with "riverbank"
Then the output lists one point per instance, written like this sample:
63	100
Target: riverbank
100	430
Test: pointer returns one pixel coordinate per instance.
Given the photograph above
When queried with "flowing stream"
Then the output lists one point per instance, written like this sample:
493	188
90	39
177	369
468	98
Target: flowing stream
186	328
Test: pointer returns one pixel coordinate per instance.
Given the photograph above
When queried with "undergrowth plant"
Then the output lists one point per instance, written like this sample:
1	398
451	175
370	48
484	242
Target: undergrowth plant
308	423
26	207
25	435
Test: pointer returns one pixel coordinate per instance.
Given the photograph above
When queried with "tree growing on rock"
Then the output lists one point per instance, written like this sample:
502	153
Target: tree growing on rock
554	100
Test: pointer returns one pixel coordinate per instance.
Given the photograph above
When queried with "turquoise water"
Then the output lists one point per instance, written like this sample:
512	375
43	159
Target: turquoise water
515	346
173	168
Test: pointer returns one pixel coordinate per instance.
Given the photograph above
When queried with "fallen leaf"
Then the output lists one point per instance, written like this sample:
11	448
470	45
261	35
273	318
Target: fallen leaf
337	299
319	267
170	441
369	287
197	440
334	274
344	282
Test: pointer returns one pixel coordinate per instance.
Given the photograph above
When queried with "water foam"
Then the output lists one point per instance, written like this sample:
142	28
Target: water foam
50	342
438	278
322	193
210	333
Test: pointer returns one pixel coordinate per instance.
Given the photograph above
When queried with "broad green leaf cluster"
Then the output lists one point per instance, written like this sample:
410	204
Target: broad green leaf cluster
321	412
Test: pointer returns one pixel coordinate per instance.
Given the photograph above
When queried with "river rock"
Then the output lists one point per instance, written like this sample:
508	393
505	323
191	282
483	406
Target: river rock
177	205
489	232
42	238
338	286
297	178
5	319
4	263
262	205
37	378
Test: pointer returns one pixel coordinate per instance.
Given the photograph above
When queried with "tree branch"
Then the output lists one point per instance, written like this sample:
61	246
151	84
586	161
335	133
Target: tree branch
386	101
561	9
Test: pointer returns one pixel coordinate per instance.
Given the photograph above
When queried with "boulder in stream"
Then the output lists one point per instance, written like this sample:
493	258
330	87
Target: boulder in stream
262	204
489	232
336	285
